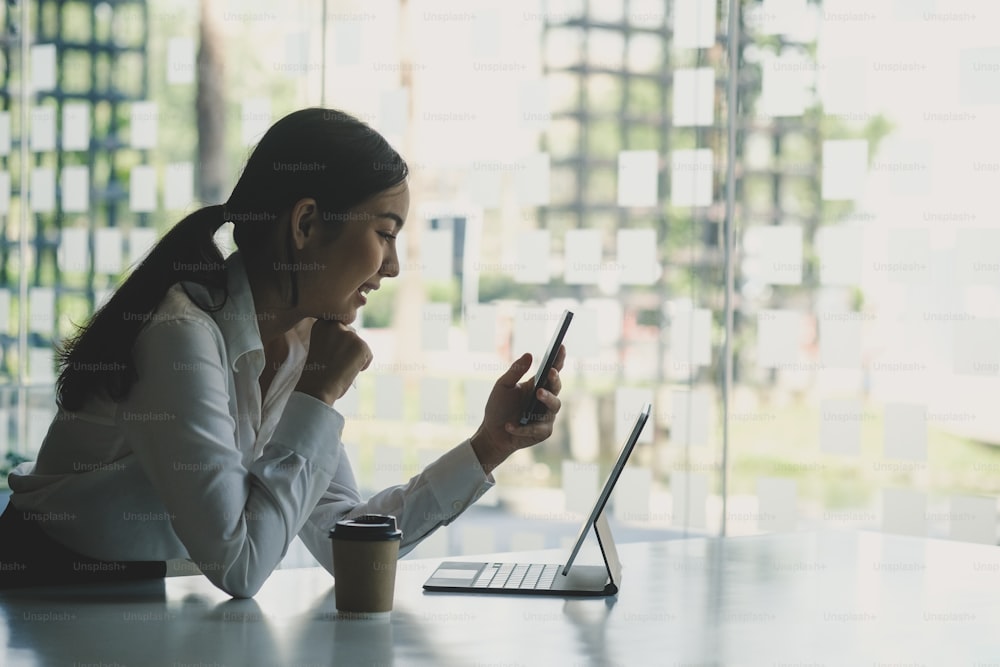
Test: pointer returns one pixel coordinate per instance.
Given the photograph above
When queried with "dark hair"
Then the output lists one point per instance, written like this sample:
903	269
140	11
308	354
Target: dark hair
323	154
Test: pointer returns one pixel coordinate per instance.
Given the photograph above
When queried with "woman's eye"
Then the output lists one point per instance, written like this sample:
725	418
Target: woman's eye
386	235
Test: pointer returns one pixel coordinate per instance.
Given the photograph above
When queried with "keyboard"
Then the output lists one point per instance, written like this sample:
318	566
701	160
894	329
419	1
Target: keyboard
512	576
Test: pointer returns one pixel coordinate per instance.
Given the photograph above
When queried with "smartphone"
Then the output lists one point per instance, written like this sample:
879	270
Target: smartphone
533	408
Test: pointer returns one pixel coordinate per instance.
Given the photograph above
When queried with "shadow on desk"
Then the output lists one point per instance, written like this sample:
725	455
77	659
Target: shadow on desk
131	624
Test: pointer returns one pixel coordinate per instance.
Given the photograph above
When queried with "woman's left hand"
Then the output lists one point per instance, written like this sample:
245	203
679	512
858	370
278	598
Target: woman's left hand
501	434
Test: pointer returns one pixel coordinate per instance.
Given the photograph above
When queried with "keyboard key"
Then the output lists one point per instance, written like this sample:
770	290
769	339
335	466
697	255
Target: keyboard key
531	578
500	581
517	576
483	580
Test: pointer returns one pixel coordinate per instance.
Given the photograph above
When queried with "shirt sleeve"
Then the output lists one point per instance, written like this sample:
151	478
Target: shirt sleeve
236	522
432	498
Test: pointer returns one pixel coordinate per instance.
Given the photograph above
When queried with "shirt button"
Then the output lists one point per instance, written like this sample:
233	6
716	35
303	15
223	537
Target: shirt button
457	506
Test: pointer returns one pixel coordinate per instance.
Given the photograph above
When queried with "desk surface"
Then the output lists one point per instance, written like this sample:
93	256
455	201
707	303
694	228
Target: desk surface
778	600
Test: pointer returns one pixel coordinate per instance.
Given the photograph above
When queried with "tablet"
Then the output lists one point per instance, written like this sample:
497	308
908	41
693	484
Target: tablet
534	409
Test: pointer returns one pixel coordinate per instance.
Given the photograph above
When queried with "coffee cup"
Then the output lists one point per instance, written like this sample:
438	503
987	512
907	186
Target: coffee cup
365	550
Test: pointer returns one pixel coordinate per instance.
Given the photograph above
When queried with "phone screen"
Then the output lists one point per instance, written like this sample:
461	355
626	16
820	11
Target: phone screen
533	408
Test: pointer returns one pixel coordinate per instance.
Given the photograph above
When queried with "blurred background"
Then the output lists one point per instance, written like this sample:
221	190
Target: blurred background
772	218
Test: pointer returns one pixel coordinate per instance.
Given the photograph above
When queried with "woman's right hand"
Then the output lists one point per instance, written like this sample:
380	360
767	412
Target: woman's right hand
336	355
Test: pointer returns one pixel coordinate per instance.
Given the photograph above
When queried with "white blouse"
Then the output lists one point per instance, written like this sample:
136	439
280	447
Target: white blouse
194	465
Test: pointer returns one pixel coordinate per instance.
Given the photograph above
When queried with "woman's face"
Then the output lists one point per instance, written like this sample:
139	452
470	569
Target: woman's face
338	269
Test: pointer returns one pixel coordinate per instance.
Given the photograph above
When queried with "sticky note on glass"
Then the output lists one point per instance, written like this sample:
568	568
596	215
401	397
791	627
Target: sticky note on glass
841	251
255	118
638	173
691	177
76	127
583	256
845	168
435	321
780	17
690	423
178	189
905	431
910	165
435	400
975	347
694	24
4	192
532	180
776	504
348	403
476	392
908	257
778	333
108	250
843	85
783	86
389	397
347	42
437	254
388	467
977	256
690	336
481	328
780	251
41	369
840	426
144	124
530	332
75	189
979	76
629	402
579	482
43	67
839	343
73	253
142	189
582	336
973	519
533	104
904	512
689	491
43	189
41	310
140	240
484	187
43	128
484	34
393	111
296	53
632	493
180	60
4	133
533	257
693	97
638	263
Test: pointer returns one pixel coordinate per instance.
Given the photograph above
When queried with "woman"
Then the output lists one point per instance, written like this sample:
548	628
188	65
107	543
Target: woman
197	409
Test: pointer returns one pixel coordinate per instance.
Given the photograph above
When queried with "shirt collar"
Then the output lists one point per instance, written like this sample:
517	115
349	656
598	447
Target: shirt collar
237	319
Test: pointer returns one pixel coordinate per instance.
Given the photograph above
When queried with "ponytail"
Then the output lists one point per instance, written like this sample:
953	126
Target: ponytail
98	358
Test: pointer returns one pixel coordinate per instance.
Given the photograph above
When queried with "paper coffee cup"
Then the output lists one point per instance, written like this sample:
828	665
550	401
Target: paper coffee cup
365	551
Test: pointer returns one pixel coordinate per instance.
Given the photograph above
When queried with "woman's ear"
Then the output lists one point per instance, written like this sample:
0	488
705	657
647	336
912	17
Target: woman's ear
304	222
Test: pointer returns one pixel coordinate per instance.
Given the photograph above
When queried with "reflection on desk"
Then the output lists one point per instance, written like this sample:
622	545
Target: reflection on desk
789	599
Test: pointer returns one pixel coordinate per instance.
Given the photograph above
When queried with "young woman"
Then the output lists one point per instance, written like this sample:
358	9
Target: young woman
197	409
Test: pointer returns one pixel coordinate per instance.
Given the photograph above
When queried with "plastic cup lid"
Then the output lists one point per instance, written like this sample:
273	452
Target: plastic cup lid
367	527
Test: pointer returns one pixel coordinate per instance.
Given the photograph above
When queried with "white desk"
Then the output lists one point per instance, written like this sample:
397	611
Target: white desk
778	601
